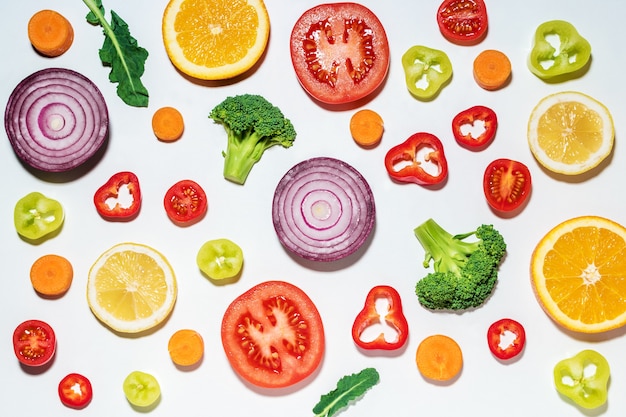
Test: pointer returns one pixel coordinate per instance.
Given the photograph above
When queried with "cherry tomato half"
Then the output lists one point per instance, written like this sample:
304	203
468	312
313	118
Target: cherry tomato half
475	128
463	21
506	184
185	202
34	342
506	338
273	335
75	391
340	52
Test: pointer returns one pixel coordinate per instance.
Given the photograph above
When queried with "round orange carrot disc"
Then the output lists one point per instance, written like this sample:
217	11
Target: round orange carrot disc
51	275
492	69
50	33
439	358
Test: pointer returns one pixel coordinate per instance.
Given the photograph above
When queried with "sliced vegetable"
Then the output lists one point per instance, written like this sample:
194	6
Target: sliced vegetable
439	358
51	275
506	184
558	50
273	335
121	52
119	198
141	389
426	71
75	391
492	69
506	338
366	128
34	343
420	159
56	119
583	378
168	124
392	316
340	52
463	21
475	128
349	388
36	216
50	33
186	347
220	259
185	203
323	209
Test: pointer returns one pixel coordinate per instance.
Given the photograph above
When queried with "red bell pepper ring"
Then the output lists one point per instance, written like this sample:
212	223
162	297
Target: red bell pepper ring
499	330
369	316
119	198
420	159
466	121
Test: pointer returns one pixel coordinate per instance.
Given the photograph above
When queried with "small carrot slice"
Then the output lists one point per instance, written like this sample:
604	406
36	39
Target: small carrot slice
492	69
51	275
366	127
439	358
50	33
186	347
168	124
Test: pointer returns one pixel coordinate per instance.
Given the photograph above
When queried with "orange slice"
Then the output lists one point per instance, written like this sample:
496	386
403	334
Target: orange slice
578	274
215	39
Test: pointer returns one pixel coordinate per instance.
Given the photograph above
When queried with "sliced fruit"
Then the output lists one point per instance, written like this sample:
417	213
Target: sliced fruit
570	132
215	39
131	288
577	273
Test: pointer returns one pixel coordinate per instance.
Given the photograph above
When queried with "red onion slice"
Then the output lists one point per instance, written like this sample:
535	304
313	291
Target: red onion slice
323	209
56	119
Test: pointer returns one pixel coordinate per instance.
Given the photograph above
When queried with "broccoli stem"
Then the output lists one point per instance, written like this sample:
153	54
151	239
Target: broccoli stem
242	153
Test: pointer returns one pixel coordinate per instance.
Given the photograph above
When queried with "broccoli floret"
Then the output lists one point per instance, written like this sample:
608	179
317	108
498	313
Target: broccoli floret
465	273
252	125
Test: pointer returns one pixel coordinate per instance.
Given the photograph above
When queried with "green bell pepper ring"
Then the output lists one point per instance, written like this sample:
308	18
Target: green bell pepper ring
558	49
426	71
36	215
583	378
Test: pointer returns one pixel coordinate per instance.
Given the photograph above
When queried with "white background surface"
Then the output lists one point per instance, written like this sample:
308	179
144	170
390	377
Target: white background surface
243	213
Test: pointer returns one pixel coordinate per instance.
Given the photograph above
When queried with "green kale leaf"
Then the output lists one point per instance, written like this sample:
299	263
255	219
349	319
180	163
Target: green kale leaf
349	388
121	52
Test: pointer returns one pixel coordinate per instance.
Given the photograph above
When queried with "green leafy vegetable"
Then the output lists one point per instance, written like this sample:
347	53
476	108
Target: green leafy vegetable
349	388
121	52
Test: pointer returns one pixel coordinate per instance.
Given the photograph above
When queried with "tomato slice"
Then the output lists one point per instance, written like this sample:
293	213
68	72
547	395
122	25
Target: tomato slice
273	335
506	184
498	337
185	202
34	342
75	391
340	52
463	21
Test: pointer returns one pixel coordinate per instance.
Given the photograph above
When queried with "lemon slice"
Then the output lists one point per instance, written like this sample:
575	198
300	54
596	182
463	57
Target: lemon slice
131	288
577	274
215	39
570	132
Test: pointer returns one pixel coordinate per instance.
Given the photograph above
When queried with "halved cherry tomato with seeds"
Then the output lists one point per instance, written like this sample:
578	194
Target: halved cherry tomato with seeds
340	52
463	22
185	202
34	343
506	338
506	184
75	391
273	335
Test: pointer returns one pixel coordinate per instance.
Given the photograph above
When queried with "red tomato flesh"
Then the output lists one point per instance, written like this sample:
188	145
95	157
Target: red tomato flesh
463	21
75	391
185	202
340	52
501	329
506	184
273	335
34	342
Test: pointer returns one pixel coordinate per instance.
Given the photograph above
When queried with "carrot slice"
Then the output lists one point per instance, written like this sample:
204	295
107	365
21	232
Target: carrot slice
492	69
439	358
186	347
50	33
366	127
51	275
168	124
